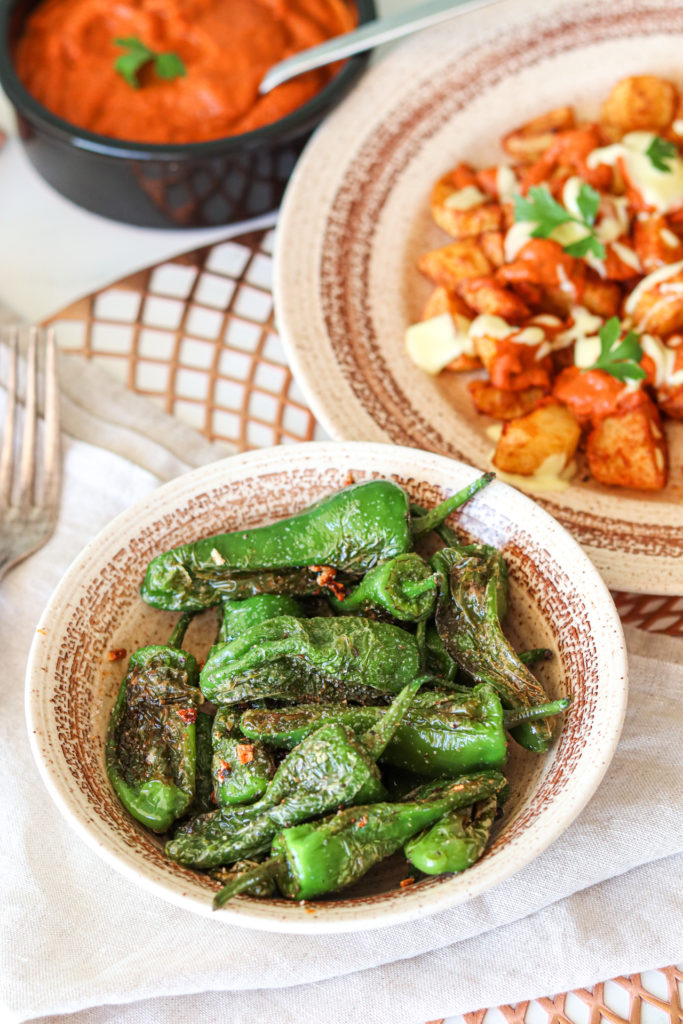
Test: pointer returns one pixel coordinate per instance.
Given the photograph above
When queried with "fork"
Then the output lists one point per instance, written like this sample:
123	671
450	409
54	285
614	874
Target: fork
28	513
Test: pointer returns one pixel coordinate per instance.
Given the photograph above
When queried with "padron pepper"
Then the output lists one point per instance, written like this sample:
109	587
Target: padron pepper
316	858
329	769
240	616
455	842
472	590
352	530
441	734
288	659
204	799
404	587
241	769
150	752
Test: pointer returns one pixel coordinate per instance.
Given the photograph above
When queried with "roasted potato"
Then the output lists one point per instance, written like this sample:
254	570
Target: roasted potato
527	442
454	263
493	246
443	301
503	405
600	297
639	103
467	221
527	143
659	308
628	449
655	243
486	295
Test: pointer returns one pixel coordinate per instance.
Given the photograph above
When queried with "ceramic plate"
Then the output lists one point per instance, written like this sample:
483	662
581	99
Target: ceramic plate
557	600
356	217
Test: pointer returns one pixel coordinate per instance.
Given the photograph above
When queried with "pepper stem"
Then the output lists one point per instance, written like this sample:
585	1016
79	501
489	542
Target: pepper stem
416	587
534	655
243	883
519	715
430	520
178	634
377	738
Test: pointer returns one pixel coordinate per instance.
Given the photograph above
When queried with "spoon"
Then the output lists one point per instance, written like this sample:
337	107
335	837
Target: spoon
373	33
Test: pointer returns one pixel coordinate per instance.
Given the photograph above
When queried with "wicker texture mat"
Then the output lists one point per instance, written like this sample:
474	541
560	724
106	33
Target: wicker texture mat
197	336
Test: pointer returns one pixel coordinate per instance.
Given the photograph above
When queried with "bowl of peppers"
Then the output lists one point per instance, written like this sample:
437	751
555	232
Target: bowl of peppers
326	688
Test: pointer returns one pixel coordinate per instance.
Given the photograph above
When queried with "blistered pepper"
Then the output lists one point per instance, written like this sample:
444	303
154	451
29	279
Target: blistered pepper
150	752
289	659
442	733
352	530
317	858
241	768
204	799
468	620
455	842
329	769
240	616
404	587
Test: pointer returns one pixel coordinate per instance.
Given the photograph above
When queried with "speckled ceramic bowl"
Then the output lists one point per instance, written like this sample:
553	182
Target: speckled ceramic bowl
557	600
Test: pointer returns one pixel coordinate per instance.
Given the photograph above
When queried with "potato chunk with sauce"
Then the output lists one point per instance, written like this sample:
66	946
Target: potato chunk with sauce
639	103
453	263
526	443
628	449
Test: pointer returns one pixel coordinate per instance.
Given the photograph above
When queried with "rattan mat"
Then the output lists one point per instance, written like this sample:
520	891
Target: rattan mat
197	336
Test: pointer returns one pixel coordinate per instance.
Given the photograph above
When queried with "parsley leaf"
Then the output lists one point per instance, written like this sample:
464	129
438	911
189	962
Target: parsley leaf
661	153
620	358
128	65
547	214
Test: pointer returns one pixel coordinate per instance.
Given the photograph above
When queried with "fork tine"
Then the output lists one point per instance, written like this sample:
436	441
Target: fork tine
28	446
52	453
7	455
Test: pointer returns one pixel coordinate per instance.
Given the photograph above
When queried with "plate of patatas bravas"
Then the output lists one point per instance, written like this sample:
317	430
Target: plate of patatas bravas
500	272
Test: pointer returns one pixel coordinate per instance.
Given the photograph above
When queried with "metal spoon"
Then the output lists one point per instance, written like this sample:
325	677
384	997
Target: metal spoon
373	33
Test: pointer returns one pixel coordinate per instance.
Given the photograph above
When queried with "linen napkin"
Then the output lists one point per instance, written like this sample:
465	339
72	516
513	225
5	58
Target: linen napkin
76	938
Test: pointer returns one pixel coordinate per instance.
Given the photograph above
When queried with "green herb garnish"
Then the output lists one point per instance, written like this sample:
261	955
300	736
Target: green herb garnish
661	153
547	214
128	65
620	358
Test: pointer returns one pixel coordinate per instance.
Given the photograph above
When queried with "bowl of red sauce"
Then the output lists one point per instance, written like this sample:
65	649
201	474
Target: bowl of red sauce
148	111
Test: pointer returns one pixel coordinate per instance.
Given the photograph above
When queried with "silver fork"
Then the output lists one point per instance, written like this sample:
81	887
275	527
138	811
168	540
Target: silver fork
28	512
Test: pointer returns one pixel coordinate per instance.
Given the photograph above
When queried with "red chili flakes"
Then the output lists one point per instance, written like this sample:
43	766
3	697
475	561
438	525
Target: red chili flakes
117	654
326	579
188	715
223	771
245	752
405	882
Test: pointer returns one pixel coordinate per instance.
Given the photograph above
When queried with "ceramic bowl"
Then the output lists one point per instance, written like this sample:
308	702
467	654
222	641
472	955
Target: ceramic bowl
192	185
356	218
557	600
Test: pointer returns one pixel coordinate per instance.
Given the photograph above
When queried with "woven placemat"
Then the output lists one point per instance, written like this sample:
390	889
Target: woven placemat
197	336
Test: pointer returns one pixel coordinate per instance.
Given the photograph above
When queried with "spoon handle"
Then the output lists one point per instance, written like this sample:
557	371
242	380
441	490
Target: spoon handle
373	33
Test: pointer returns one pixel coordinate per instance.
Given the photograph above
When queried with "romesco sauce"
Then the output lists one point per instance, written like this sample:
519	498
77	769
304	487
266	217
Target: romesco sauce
66	53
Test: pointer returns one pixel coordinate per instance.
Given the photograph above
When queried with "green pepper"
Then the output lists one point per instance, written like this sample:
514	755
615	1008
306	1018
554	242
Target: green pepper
329	769
241	770
150	751
468	620
204	799
240	616
438	660
403	587
290	658
351	530
316	858
455	842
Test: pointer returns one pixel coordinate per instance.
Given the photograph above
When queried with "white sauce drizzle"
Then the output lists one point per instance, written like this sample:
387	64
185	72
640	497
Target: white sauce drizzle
432	344
662	190
466	198
506	183
655	278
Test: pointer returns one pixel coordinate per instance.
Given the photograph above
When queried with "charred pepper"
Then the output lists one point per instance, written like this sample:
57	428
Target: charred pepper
241	768
455	842
328	769
321	857
240	616
404	587
290	658
352	530
150	752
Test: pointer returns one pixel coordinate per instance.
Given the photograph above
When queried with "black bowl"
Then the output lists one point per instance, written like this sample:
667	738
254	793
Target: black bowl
192	185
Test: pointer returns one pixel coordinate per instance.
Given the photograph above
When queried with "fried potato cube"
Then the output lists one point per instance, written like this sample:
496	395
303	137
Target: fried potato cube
503	405
639	103
493	247
601	297
454	263
528	142
659	308
655	243
670	401
465	221
487	296
628	449
442	301
526	443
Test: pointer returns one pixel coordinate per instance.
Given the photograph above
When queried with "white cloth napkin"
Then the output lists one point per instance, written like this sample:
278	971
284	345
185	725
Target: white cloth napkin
75	937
